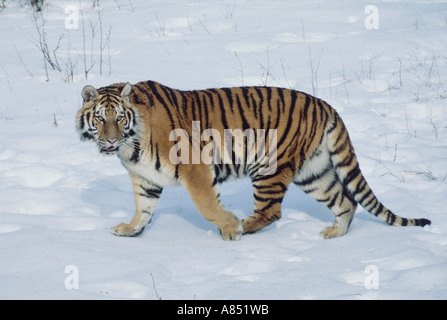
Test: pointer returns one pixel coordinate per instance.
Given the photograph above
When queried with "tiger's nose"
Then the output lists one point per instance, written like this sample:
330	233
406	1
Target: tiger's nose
112	140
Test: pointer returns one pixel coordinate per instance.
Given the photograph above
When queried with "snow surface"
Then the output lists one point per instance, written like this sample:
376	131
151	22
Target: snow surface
59	197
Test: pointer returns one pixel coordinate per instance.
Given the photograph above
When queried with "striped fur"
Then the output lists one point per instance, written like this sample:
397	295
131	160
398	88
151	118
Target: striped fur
312	150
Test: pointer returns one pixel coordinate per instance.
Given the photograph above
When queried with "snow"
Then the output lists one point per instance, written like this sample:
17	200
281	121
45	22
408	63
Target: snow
59	197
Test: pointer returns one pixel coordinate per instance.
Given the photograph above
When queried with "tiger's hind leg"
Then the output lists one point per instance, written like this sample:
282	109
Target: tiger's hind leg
268	192
343	206
318	179
328	190
198	181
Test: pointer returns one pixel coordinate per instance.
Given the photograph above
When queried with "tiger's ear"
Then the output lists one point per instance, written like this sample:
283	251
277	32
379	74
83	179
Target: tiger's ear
126	91
89	93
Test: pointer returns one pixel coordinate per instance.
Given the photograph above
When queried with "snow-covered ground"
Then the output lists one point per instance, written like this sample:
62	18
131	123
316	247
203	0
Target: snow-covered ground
59	197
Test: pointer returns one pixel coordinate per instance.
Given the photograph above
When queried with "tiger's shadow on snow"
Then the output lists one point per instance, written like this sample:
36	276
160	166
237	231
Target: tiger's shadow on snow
113	197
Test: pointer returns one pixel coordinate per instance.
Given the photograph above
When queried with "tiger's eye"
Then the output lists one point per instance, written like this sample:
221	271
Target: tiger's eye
99	118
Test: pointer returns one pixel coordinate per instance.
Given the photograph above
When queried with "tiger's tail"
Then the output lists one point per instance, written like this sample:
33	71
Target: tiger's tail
348	171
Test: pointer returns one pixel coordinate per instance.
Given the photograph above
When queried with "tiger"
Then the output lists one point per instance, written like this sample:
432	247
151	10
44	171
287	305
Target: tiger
142	124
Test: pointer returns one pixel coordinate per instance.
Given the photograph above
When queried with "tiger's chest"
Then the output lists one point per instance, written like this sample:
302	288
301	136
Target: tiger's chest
146	170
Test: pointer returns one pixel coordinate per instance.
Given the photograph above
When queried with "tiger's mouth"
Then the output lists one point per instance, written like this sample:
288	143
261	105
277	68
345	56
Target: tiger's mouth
109	150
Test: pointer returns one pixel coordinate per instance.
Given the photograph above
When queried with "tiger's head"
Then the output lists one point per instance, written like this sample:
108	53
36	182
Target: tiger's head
107	117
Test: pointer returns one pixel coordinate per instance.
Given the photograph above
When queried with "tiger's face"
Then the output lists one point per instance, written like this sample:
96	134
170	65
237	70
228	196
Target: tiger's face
107	118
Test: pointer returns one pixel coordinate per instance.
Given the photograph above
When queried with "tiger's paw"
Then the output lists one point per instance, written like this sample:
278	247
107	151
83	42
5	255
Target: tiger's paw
233	233
331	232
125	230
250	225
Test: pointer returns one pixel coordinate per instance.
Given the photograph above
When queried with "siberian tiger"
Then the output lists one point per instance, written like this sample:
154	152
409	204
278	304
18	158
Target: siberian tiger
150	127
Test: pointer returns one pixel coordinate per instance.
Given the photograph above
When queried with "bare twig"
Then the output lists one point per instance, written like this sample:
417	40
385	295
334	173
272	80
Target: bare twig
49	58
265	69
240	66
314	64
155	289
23	63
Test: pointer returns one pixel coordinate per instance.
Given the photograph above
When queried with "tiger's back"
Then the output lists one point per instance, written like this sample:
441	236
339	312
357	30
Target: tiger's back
199	138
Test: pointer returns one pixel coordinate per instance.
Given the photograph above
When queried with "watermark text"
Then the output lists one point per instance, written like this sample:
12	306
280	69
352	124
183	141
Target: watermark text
237	147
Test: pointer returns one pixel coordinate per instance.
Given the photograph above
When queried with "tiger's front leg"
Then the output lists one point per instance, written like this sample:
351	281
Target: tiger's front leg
146	198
